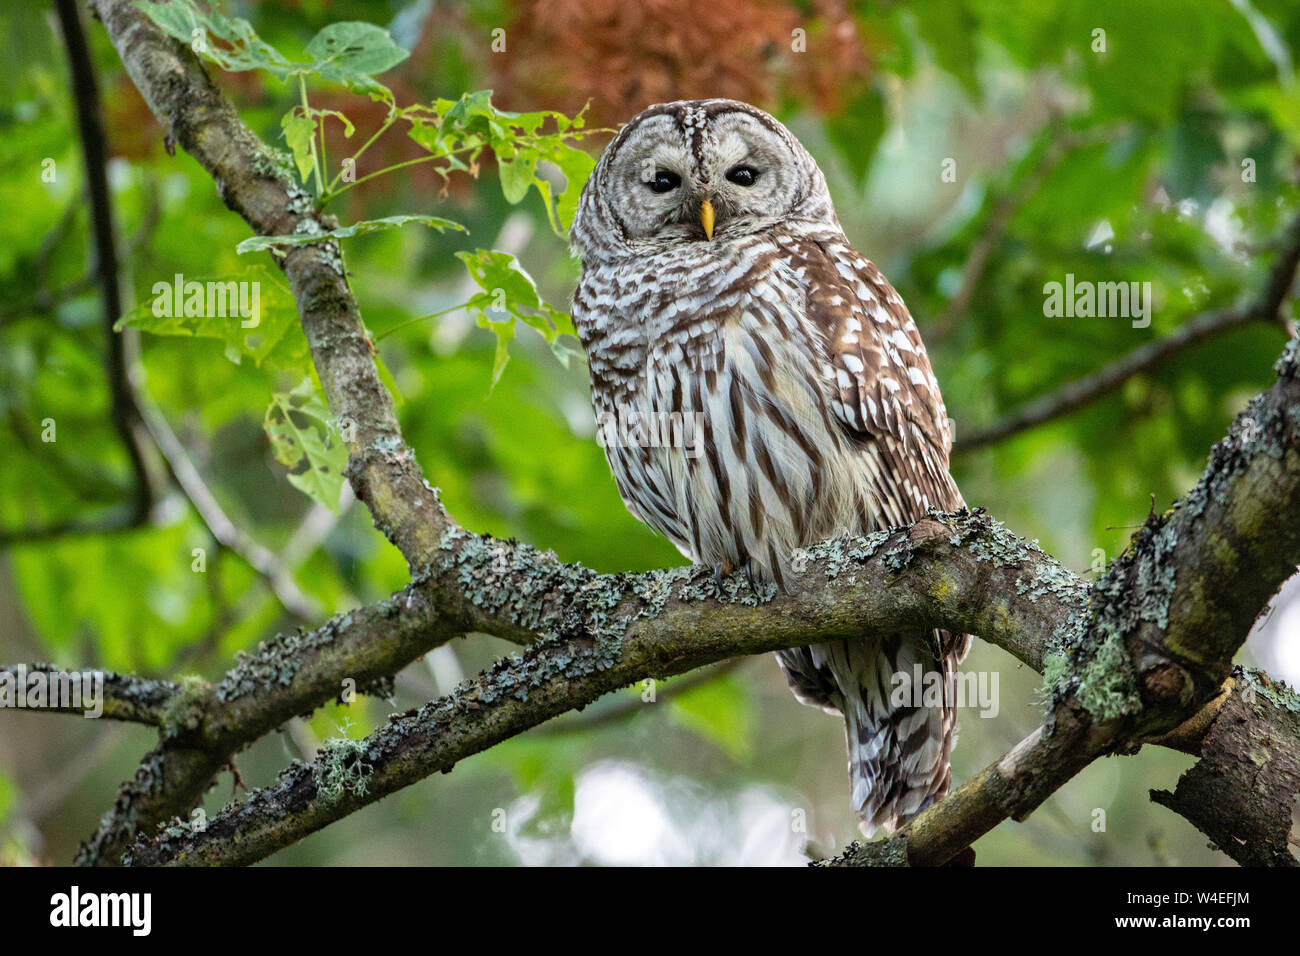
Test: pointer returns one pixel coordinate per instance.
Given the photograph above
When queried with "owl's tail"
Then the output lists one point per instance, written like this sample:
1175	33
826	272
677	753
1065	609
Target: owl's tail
900	722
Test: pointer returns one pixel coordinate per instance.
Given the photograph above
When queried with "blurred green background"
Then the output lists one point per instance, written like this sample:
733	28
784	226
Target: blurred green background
1169	156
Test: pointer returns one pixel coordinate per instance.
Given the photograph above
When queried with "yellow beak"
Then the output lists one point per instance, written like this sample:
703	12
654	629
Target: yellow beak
706	218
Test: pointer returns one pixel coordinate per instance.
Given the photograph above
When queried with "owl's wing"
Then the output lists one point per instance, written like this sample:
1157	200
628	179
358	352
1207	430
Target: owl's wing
888	398
885	396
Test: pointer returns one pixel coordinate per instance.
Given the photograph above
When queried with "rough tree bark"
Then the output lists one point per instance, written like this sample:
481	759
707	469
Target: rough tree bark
1242	792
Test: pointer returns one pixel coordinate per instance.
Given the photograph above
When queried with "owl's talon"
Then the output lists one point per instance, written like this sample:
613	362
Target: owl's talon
717	577
749	576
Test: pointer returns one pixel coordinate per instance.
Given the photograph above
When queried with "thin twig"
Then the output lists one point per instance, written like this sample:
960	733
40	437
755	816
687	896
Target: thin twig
124	413
1266	308
45	301
260	558
1004	207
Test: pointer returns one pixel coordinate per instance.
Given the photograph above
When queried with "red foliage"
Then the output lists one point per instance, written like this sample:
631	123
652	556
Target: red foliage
625	56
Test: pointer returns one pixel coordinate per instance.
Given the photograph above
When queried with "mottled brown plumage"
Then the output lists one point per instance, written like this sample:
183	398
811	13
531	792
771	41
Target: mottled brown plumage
718	286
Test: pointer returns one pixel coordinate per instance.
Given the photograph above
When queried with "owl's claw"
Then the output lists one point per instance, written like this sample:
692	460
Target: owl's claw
749	576
717	577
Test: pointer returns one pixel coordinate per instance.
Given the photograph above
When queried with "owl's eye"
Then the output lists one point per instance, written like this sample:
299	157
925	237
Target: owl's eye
664	182
742	175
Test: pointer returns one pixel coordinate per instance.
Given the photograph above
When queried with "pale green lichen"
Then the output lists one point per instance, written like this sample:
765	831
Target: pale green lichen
274	162
1049	579
1253	684
276	662
341	766
837	554
1288	364
185	708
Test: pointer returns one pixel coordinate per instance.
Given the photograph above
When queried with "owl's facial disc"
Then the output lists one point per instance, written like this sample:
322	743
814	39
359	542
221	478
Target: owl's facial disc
747	171
677	179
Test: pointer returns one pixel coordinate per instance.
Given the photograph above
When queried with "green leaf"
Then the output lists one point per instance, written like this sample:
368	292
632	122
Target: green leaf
576	164
517	176
303	437
459	130
348	128
500	272
210	308
351	53
300	134
509	295
505	333
240	48
257	243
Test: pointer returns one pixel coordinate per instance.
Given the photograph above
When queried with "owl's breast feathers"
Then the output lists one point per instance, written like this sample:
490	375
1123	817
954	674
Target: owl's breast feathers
816	408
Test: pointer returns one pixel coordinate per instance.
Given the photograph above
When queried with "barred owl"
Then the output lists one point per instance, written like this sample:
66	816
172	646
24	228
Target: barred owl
718	285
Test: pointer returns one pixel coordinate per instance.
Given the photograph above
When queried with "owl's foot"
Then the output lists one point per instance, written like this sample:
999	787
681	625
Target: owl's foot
720	571
237	783
749	576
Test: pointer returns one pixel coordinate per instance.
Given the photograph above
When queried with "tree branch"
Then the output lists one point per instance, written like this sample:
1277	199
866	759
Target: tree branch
1242	792
127	698
125	415
964	572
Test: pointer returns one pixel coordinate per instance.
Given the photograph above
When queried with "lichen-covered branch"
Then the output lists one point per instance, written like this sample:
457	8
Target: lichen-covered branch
1242	792
205	725
602	632
121	696
964	570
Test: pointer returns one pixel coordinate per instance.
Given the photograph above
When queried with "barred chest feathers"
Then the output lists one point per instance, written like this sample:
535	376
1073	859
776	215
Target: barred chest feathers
724	349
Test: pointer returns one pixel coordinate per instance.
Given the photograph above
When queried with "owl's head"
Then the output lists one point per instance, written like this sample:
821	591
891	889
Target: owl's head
696	171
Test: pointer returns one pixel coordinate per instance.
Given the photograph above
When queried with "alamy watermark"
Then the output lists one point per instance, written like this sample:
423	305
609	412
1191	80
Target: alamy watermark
1085	300
133	911
634	428
213	299
929	688
53	689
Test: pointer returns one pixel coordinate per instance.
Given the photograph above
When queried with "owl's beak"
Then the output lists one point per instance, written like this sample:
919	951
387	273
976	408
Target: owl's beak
706	218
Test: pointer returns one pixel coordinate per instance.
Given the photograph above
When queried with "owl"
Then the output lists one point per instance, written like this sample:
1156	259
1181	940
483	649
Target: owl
719	298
